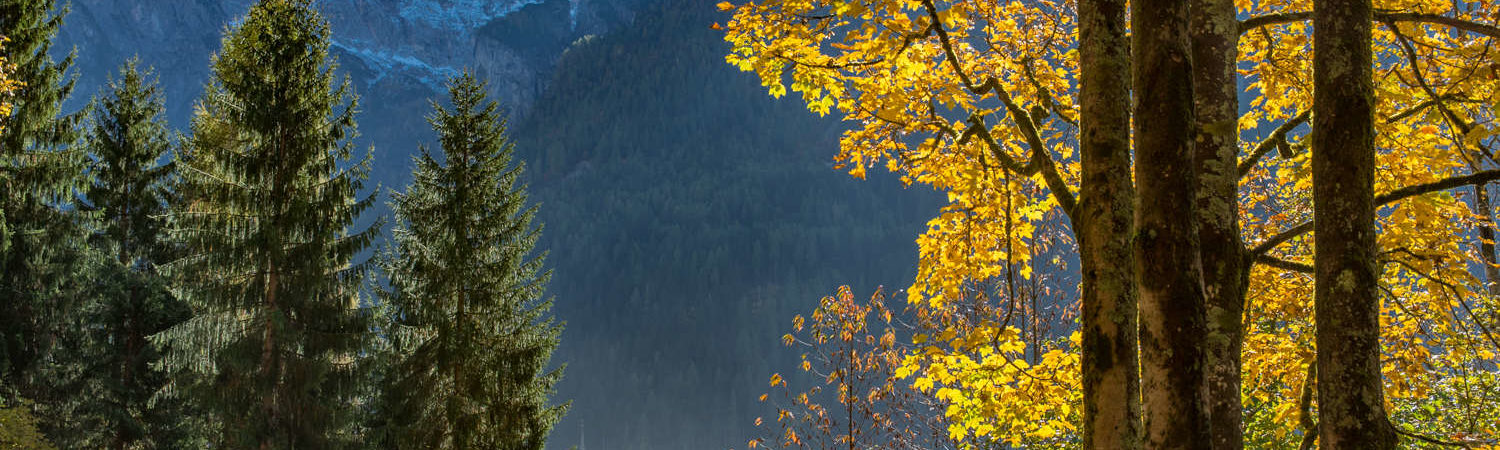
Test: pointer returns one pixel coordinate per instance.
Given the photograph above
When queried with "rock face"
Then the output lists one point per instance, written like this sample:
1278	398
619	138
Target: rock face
175	37
397	53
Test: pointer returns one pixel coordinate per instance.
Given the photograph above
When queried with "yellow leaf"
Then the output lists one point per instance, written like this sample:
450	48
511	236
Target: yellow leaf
854	8
725	6
1045	431
858	171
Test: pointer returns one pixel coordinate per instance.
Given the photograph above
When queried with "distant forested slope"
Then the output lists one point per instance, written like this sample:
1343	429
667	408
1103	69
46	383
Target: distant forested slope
688	216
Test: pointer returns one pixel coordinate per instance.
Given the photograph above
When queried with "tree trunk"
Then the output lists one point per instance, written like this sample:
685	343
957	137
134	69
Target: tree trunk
1483	209
1104	226
1214	36
1172	310
1351	408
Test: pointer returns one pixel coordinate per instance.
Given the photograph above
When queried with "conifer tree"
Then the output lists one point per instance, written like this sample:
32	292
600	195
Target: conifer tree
111	380
39	173
267	200
128	141
470	328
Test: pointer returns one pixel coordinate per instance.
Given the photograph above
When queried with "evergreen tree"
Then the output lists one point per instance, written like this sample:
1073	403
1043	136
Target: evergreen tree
128	141
39	173
265	221
470	328
110	378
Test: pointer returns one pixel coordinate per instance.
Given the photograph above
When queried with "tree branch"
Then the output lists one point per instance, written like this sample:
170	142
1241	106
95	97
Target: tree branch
1281	238
1273	19
1284	264
1276	139
1289	17
1416	70
1040	158
1380	200
1304	407
1430	440
977	127
1469	26
1412	111
1440	185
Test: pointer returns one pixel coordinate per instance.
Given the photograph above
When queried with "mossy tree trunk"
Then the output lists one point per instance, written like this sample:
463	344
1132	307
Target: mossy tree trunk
1214	35
1172	328
1104	223
1351	409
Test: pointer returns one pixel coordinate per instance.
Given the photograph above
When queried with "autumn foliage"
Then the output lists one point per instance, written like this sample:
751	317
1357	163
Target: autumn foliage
8	85
979	99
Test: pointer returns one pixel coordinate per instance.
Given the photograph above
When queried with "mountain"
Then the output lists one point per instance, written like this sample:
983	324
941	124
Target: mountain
397	53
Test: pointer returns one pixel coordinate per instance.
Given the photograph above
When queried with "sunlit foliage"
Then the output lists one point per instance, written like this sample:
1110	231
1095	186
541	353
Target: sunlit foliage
1007	158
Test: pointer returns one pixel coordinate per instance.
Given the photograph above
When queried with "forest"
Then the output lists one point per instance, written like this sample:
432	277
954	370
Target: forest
1085	235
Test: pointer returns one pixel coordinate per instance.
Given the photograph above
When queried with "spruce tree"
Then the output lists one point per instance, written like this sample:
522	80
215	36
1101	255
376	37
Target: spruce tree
111	380
471	331
128	142
265	220
40	171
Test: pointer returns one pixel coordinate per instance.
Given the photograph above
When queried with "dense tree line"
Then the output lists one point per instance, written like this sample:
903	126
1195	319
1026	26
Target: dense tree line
209	290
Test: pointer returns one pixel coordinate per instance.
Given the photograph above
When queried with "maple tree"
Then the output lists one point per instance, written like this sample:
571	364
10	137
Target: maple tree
990	102
848	350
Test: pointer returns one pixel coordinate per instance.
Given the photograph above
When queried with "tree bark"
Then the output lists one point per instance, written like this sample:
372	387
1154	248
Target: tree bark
1351	403
1172	310
1104	226
1483	209
1214	36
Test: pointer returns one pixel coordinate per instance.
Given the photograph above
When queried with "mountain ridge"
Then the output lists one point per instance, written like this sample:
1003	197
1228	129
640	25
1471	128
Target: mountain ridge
397	53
